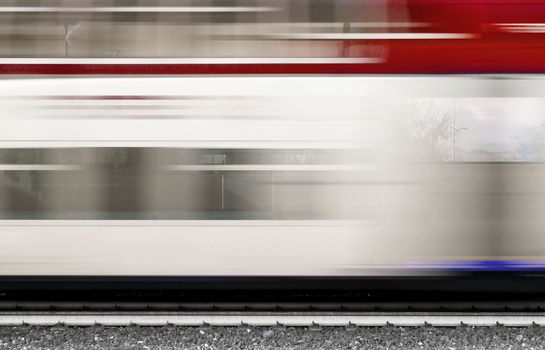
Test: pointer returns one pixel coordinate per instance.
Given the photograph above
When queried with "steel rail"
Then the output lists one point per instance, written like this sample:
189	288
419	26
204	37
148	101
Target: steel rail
365	307
271	319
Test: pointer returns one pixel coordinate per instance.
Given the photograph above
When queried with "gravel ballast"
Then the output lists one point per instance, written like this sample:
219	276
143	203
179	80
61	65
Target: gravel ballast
206	338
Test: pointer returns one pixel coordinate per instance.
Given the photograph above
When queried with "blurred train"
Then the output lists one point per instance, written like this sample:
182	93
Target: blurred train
271	36
255	138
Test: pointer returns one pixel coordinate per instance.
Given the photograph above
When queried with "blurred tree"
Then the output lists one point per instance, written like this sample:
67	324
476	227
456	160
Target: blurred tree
529	144
427	124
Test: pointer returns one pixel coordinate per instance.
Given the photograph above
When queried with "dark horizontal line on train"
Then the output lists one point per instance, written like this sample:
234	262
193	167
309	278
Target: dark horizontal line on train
352	66
180	222
251	69
207	167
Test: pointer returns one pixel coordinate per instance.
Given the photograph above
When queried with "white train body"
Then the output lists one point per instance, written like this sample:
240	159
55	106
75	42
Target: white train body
259	176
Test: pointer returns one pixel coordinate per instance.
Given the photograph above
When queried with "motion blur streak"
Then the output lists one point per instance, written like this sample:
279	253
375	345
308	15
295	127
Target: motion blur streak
271	137
287	36
270	175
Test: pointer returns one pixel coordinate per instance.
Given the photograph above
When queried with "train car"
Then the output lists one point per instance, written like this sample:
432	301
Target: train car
255	140
272	37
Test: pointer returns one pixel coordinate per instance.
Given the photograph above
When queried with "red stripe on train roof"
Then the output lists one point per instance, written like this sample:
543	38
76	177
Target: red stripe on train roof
174	69
269	69
491	53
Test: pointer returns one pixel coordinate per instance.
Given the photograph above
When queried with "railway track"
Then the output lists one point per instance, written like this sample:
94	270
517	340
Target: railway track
290	319
276	307
316	315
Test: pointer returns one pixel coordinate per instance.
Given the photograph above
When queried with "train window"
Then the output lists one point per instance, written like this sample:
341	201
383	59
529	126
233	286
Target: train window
174	29
177	184
477	129
322	10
